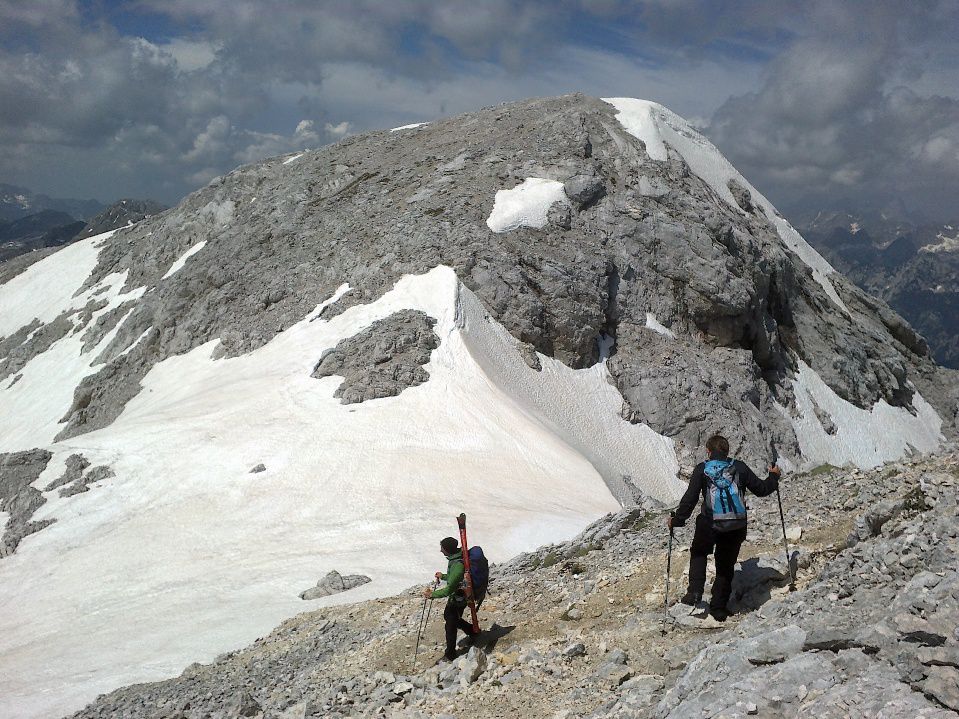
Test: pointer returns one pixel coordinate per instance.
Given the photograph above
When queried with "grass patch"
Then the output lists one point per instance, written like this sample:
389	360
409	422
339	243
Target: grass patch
822	469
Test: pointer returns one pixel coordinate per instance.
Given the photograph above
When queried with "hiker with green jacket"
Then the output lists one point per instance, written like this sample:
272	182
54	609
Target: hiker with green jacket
454	591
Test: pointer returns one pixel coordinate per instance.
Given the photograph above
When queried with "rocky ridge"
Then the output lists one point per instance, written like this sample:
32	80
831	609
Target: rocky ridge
577	628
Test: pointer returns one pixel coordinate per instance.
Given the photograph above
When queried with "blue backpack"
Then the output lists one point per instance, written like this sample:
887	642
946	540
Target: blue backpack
724	495
479	571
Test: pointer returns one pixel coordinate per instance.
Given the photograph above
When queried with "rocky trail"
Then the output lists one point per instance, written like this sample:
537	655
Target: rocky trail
576	629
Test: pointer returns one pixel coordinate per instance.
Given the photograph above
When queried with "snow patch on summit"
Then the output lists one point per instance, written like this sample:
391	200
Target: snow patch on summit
411	126
525	205
656	326
658	126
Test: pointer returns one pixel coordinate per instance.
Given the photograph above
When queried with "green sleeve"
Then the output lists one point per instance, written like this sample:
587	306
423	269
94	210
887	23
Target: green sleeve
453	581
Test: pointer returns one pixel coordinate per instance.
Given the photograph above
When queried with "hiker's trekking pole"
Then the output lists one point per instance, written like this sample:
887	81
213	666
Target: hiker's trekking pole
423	625
782	519
669	562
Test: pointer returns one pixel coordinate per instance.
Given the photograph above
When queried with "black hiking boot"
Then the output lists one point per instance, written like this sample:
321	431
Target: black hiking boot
691	599
719	614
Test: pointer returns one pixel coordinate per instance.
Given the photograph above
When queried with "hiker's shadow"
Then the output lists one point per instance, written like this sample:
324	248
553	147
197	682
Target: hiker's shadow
489	637
756	578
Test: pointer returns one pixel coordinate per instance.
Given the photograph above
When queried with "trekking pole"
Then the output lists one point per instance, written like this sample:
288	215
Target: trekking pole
669	562
419	633
422	625
782	519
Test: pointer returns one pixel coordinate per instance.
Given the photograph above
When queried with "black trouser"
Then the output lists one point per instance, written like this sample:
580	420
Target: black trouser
726	546
453	614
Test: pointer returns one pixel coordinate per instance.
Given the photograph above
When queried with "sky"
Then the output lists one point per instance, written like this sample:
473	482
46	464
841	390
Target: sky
852	103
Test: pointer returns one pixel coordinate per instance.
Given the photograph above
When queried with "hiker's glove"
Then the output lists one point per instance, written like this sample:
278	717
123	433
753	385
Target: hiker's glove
669	522
773	469
428	592
438	575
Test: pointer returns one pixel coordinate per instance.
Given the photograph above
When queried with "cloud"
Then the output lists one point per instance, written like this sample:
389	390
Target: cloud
835	117
202	85
191	55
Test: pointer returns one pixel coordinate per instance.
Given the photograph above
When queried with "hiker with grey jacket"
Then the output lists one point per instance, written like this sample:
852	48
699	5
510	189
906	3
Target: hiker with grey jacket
721	523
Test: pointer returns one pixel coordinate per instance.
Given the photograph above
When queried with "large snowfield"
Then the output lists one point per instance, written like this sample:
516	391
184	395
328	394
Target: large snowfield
185	553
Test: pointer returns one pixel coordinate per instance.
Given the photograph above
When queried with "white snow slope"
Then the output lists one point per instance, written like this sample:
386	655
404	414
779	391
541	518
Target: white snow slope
184	554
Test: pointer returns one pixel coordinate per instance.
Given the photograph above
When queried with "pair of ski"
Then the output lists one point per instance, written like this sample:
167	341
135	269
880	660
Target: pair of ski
467	576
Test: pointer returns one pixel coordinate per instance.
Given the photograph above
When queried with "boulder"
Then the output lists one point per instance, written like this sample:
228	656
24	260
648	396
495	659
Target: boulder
334	583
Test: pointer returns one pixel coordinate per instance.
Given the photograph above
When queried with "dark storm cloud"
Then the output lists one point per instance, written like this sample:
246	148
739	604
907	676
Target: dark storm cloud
156	97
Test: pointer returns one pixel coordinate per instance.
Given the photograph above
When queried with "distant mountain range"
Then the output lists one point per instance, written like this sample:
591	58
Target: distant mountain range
18	202
912	266
31	222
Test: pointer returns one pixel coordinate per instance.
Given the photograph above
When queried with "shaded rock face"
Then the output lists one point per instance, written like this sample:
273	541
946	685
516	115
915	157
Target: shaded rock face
638	237
384	359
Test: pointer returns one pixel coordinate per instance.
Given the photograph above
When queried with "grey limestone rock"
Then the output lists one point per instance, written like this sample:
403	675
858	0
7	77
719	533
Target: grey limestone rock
105	322
473	665
334	583
18	471
584	189
76	464
244	705
775	646
742	196
83	483
382	360
942	684
29	341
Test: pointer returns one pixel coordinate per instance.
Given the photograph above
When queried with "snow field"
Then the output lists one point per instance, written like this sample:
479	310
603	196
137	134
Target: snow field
35	404
45	289
864	438
184	554
525	205
658	126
